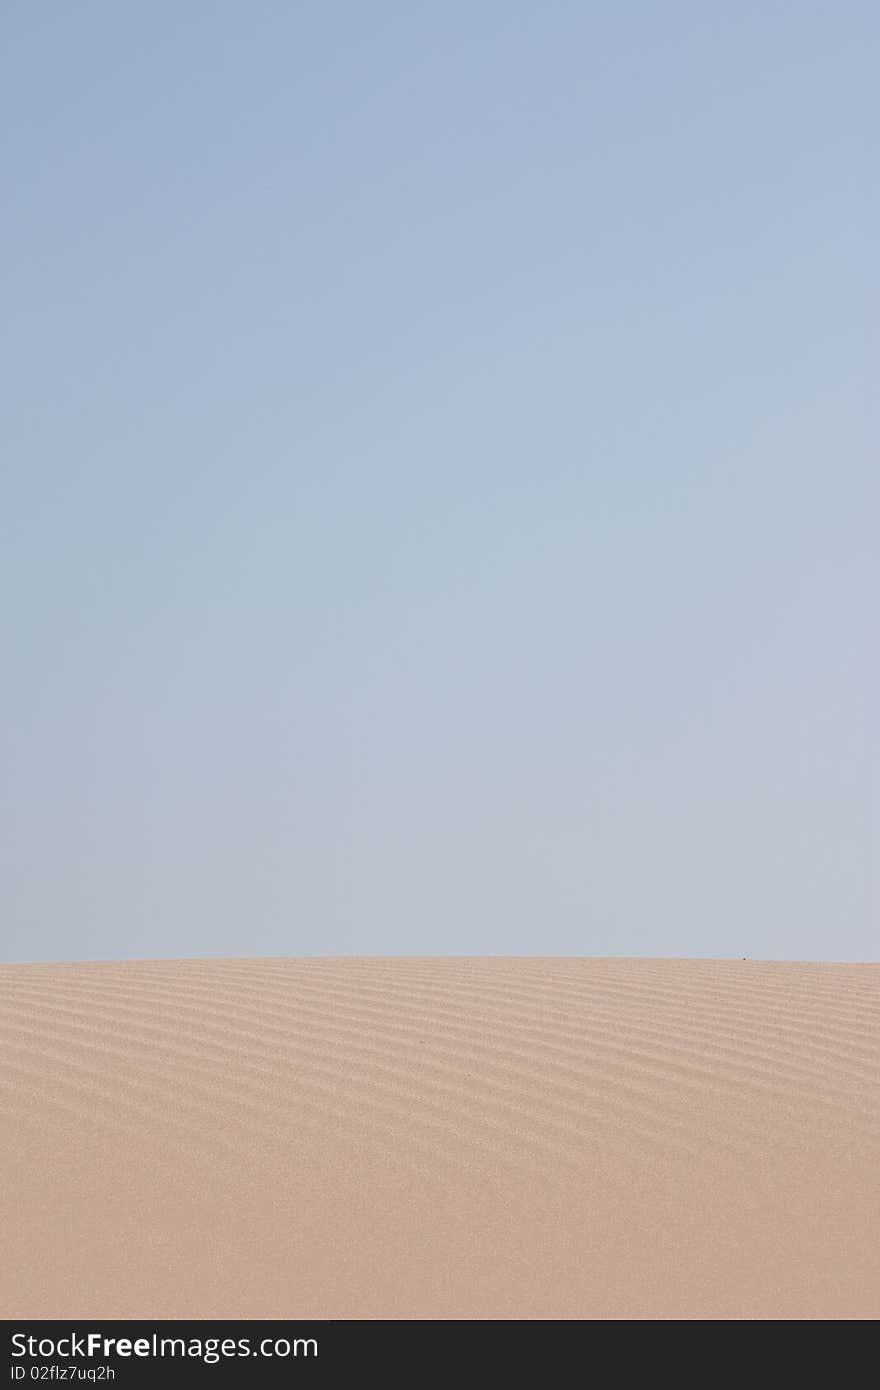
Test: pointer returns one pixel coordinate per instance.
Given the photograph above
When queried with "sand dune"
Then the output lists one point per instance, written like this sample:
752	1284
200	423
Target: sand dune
441	1137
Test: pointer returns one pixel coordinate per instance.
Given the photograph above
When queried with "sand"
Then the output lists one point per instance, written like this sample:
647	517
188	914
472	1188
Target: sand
440	1138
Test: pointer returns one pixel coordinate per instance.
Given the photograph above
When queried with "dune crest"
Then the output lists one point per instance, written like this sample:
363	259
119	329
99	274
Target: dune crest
440	1137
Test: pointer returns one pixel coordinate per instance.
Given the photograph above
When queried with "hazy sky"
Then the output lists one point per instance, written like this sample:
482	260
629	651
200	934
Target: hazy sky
435	512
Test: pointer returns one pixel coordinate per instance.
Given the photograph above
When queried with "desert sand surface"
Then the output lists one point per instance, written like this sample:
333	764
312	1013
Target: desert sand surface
440	1137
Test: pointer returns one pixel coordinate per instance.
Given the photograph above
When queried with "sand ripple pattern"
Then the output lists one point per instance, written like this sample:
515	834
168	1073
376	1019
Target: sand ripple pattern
503	1064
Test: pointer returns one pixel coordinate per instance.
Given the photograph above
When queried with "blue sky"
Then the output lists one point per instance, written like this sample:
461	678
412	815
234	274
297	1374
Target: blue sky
436	489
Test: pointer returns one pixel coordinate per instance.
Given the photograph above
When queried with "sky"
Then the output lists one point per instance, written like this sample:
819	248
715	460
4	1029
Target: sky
437	458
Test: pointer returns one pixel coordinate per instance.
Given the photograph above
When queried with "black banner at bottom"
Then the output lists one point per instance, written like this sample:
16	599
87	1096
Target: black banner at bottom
140	1353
